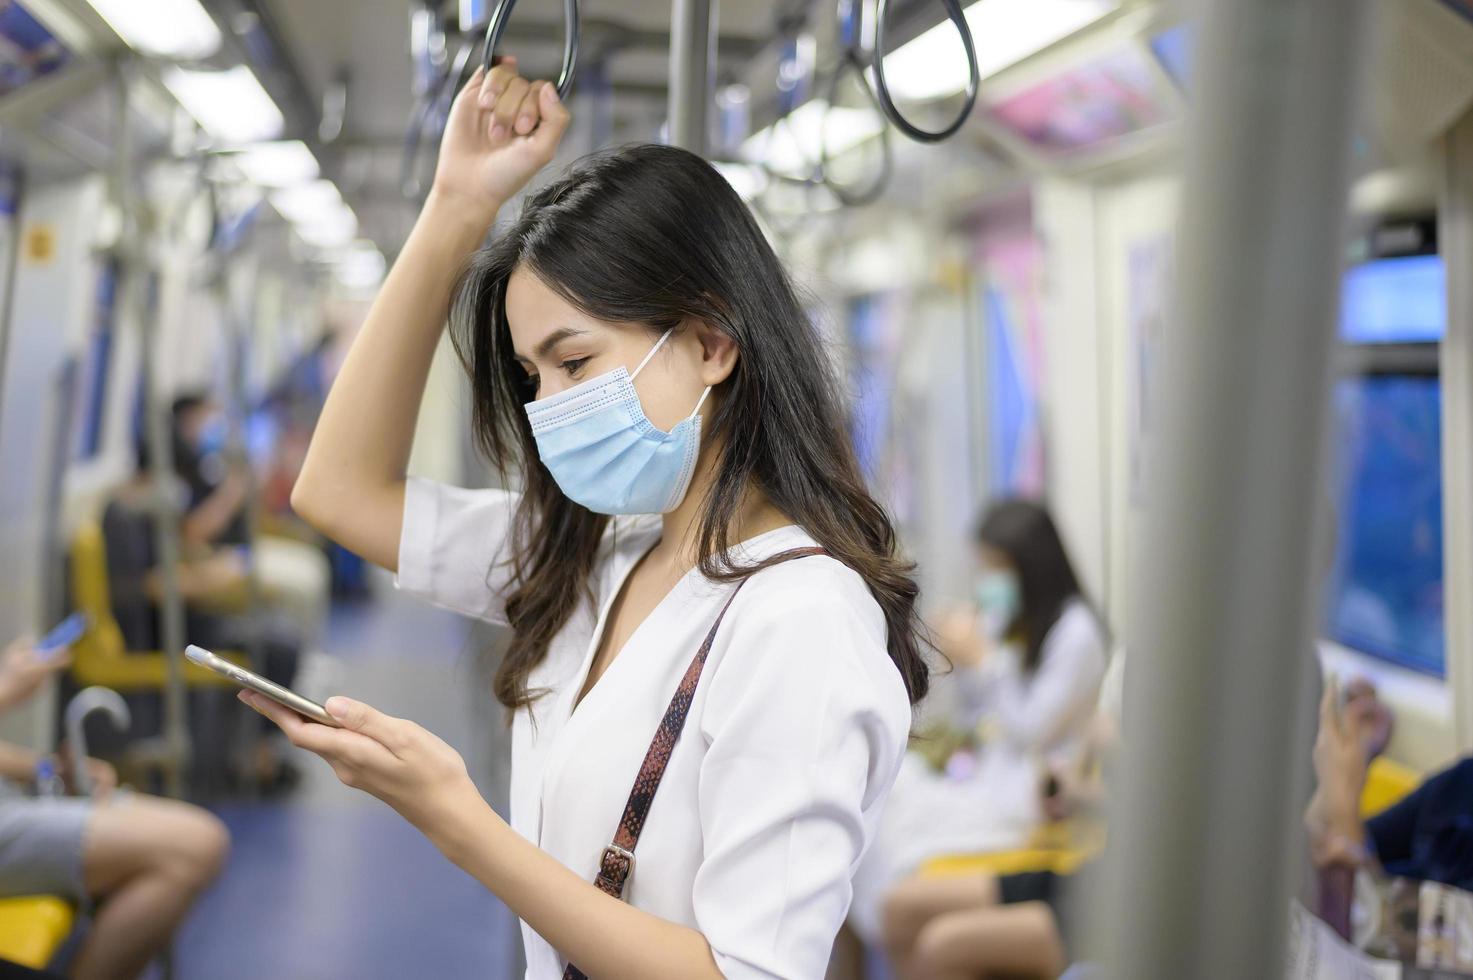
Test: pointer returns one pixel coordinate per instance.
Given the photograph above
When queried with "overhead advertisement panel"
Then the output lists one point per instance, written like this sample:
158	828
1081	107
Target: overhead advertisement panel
27	49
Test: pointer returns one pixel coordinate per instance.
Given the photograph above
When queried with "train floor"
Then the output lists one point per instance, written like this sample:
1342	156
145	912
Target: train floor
329	883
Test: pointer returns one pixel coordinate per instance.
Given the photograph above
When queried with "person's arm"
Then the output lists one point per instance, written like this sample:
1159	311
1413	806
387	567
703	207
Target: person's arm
426	781
24	669
18	763
204	578
1337	836
206	522
977	669
805	729
501	131
1034	711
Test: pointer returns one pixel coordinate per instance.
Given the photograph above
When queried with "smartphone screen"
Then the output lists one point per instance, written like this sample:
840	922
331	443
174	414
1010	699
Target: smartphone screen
305	707
63	634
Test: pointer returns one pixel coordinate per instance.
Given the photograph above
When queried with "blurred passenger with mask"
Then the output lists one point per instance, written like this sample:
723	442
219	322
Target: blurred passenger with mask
213	582
1028	657
218	487
291	578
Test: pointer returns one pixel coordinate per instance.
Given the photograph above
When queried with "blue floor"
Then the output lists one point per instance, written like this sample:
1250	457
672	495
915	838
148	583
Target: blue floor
331	884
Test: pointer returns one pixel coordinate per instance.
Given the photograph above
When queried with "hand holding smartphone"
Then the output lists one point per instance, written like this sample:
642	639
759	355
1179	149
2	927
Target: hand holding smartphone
305	707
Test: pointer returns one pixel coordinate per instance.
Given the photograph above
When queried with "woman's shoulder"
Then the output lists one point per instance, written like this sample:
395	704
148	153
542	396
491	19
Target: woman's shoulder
1078	628
814	616
807	638
814	589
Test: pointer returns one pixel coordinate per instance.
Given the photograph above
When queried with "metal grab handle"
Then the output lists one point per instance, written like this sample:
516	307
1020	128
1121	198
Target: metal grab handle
502	14
103	699
853	60
882	89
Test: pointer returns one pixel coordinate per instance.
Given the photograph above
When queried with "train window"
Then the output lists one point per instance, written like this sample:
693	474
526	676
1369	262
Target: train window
1401	300
1385	594
1015	442
1173	48
874	324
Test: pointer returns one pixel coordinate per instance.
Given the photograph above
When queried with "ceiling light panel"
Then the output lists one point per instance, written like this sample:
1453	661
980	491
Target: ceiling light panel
166	28
1004	32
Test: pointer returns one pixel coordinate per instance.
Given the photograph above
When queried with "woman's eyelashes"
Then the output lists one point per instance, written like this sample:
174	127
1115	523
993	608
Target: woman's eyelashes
572	367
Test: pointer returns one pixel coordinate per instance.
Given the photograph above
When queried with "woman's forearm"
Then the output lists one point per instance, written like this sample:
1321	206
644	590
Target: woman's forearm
605	937
352	482
17	763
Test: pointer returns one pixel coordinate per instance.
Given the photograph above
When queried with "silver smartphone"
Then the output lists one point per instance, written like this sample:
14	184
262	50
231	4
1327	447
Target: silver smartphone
255	682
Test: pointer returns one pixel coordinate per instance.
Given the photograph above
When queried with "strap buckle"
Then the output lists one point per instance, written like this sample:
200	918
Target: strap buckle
615	865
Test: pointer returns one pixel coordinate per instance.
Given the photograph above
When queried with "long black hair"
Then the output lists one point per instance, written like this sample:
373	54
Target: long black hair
1025	532
654	235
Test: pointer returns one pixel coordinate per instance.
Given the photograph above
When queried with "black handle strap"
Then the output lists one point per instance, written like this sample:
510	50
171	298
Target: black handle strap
571	30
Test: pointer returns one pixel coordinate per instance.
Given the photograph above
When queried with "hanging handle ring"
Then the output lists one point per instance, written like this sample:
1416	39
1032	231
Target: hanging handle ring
882	88
502	14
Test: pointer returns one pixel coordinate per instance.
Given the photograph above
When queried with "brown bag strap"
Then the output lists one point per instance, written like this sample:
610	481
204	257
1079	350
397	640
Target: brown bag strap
617	862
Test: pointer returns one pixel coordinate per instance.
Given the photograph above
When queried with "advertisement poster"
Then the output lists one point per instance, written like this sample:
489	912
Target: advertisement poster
1011	260
27	49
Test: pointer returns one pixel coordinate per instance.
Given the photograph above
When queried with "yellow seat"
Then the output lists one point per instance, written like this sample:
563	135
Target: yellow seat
1060	848
32	928
100	656
1386	783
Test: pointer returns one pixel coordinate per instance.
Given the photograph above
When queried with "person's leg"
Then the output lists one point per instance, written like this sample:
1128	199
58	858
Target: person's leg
917	900
847	960
1005	941
146	859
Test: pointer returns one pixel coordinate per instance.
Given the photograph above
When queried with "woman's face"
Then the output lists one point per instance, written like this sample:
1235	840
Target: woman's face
990	559
998	593
560	346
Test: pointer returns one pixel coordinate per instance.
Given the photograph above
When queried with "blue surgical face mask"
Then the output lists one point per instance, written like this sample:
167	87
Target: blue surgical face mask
212	435
606	454
999	599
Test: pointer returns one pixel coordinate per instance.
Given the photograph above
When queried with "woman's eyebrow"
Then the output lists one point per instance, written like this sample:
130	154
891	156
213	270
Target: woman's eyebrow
550	341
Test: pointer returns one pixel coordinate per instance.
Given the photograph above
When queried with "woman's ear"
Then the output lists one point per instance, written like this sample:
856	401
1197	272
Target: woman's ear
718	352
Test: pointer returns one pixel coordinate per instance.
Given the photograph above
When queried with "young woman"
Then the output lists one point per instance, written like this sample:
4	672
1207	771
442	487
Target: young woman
1032	653
1029	655
638	356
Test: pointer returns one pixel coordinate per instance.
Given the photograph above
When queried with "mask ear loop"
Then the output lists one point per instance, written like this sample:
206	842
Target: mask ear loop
699	402
653	351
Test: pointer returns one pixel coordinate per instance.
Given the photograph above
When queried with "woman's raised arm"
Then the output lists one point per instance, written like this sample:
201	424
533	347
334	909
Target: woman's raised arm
502	130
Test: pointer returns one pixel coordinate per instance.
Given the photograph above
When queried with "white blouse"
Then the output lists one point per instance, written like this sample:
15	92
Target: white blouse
1047	712
792	743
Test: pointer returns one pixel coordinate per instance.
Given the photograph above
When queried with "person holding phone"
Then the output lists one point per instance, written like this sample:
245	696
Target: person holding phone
715	648
142	859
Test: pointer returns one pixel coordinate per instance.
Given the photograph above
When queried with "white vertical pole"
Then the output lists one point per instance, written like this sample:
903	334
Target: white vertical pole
1455	235
692	72
1206	839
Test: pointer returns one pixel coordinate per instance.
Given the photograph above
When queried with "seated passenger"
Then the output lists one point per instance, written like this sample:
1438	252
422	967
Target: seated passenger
1427	836
144	860
292	578
218	488
1013	925
1029	657
136	585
